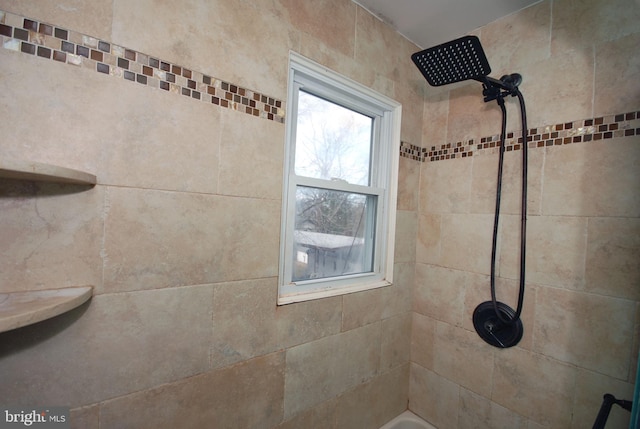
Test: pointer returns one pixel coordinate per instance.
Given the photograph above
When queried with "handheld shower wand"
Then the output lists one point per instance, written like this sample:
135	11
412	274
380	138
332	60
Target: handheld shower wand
464	59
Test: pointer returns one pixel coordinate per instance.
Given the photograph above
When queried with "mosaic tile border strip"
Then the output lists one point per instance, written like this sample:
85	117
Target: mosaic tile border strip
580	131
53	43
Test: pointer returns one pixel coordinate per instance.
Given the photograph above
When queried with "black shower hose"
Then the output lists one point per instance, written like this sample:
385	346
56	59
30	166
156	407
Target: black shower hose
523	223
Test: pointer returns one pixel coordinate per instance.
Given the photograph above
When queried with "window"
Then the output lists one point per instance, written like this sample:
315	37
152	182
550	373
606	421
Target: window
340	181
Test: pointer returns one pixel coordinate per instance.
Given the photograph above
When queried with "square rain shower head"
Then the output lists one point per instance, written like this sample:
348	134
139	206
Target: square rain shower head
454	61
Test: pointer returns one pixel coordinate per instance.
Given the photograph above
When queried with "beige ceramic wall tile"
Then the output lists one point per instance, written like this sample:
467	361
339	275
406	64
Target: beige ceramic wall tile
322	416
463	358
569	327
440	293
362	308
251	156
435	117
247	323
423	334
411	97
470	117
484	182
408	73
51	235
374	403
85	418
158	239
331	21
251	46
303	322
221	39
598	21
445	186
485	179
175	145
516	40
344	64
477	292
395	339
428	248
617	75
61	111
364	73
405	237
534	386
534	425
245	395
92	17
103	125
466	242
113	345
243	321
553	95
370	306
373	39
613	252
479	412
510	246
408	184
590	389
399	296
512	182
434	398
319	370
593	179
375	81
412	105
556	250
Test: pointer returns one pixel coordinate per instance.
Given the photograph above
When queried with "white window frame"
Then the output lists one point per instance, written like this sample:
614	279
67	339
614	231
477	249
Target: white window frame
321	81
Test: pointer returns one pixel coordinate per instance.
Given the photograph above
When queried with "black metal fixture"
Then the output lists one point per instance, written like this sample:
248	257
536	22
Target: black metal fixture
456	61
608	401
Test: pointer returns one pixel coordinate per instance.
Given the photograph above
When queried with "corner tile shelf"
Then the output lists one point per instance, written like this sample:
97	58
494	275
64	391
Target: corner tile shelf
26	170
18	309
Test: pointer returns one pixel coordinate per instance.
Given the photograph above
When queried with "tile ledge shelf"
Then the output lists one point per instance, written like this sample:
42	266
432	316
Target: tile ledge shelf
27	170
18	309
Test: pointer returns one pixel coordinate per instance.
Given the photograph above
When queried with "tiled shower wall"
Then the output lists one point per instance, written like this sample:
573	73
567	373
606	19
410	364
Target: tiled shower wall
178	110
581	72
49	42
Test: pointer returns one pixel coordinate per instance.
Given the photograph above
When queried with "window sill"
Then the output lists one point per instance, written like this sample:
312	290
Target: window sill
326	293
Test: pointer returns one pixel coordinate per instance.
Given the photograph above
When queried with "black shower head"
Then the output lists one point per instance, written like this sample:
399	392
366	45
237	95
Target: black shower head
454	61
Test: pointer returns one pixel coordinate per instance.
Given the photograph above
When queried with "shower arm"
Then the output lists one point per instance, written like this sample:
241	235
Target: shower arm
499	88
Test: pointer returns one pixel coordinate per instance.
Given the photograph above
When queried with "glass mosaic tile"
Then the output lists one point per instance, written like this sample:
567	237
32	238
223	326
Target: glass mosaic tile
580	131
47	41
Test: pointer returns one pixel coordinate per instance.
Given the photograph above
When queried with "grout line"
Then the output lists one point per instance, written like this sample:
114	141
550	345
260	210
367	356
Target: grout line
53	43
49	42
620	125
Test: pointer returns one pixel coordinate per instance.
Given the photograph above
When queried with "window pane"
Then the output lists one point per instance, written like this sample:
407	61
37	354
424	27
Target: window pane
332	142
332	235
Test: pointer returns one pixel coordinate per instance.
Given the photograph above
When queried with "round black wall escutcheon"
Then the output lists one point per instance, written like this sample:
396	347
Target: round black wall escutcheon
492	329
